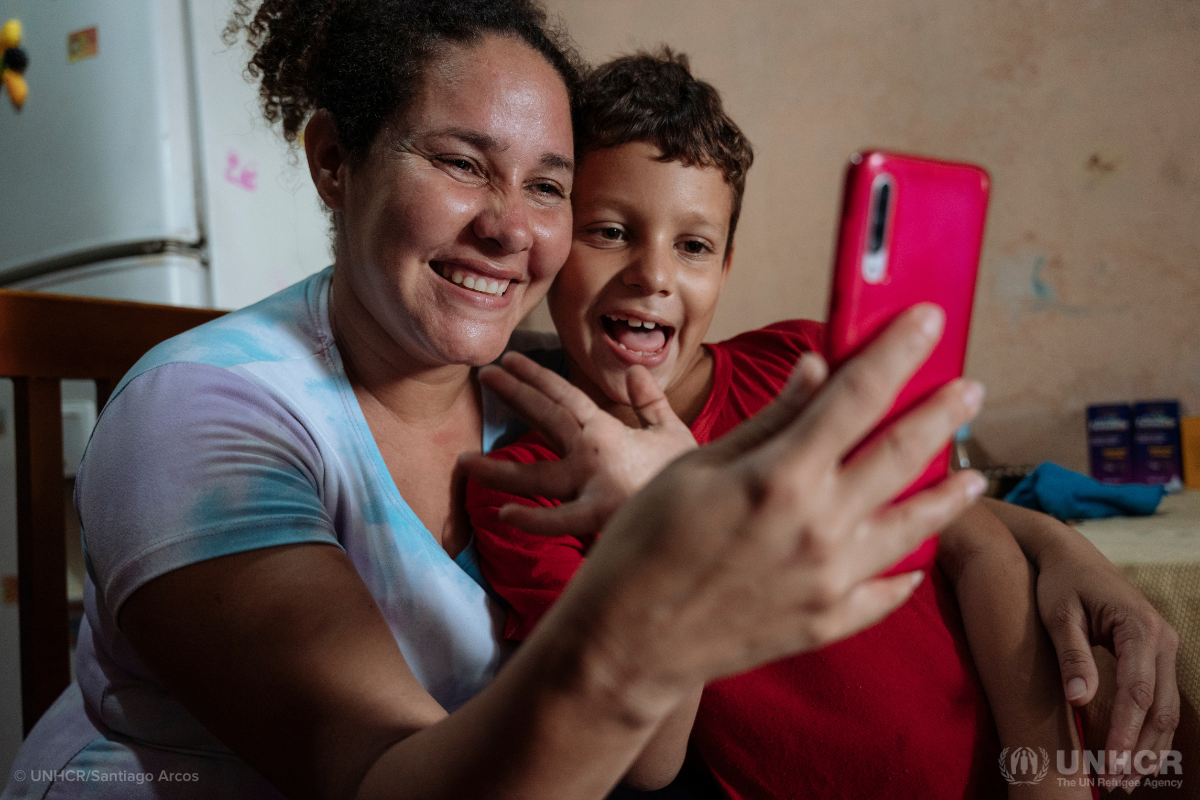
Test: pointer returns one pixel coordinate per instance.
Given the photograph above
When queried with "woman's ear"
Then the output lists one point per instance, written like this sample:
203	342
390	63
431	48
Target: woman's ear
328	162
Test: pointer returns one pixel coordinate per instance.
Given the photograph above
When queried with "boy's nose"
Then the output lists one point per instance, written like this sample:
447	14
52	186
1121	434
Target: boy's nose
505	222
652	270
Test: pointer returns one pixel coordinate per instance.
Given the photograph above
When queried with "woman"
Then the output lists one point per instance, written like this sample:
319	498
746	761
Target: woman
279	594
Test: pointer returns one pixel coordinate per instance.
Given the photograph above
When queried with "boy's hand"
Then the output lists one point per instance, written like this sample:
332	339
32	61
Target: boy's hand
1084	600
603	461
1089	602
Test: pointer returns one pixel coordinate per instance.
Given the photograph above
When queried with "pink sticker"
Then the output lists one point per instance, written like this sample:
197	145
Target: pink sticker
243	175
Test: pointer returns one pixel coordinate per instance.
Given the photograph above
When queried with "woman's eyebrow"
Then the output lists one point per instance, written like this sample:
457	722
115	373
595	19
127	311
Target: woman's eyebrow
556	161
490	144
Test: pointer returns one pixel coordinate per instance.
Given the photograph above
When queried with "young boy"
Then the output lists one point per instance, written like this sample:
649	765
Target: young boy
897	710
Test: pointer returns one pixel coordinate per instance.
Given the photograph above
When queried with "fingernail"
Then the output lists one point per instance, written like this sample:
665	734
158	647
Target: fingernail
932	319
917	577
976	485
1076	688
972	395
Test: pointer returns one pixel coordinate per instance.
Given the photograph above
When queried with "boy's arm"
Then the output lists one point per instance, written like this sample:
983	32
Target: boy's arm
996	590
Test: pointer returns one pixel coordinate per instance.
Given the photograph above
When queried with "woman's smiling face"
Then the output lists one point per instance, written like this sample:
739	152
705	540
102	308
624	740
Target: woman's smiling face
455	224
646	268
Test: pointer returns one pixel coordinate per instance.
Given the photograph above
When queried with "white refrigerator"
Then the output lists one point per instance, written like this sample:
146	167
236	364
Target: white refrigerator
139	168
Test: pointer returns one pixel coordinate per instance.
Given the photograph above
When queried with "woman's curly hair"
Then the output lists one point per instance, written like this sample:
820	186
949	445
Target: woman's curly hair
363	60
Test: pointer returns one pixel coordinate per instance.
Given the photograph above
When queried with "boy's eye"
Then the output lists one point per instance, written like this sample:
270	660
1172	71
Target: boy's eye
610	234
694	247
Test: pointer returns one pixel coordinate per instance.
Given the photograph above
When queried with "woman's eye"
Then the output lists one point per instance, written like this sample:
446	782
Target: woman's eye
548	188
458	163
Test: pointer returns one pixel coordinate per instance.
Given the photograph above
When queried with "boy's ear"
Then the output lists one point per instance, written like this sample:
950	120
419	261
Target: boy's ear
728	261
328	162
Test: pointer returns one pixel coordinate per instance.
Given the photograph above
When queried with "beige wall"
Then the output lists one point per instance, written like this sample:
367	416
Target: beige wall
1086	113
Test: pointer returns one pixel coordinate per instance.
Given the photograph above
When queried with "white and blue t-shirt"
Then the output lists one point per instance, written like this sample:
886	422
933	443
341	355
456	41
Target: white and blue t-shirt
240	434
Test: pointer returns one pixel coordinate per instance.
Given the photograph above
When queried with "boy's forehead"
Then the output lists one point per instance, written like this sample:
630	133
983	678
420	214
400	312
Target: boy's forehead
633	173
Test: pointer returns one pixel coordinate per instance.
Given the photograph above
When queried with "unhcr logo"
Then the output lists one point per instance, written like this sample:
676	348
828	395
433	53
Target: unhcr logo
1024	766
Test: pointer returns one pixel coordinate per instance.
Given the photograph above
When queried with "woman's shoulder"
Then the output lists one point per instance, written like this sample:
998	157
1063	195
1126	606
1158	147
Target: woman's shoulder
287	326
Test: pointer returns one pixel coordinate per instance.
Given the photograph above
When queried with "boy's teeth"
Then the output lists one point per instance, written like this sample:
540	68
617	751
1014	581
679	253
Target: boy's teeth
479	284
638	352
633	322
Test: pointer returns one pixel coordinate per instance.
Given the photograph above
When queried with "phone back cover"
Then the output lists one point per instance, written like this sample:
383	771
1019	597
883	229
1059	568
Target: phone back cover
933	243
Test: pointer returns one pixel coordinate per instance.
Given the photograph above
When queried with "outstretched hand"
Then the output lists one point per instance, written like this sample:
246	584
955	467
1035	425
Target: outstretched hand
603	461
768	541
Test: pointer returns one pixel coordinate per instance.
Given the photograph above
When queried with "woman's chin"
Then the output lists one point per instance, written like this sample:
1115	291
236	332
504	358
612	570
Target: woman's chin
470	353
474	347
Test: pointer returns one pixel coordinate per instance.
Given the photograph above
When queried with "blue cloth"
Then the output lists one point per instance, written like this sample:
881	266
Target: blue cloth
1065	494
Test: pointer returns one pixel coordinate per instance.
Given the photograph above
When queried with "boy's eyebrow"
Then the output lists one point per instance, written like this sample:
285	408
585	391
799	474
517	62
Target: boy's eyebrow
486	143
599	205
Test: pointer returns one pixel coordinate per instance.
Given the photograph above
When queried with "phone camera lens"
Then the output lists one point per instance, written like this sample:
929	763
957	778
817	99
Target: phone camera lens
879	217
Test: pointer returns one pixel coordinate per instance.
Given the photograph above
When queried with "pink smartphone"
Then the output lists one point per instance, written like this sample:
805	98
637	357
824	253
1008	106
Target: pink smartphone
911	232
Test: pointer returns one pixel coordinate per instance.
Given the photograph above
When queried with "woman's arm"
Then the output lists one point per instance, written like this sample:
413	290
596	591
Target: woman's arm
760	545
661	759
994	584
284	656
1084	600
529	572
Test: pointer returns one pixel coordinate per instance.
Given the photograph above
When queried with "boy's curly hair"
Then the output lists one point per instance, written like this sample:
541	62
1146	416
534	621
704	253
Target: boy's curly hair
653	98
363	60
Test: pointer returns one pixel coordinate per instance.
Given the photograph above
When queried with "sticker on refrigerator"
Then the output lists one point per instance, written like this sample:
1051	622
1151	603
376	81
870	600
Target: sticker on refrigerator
82	45
240	173
13	62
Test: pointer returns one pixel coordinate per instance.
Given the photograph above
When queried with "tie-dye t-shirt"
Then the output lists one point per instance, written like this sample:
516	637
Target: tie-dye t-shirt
240	434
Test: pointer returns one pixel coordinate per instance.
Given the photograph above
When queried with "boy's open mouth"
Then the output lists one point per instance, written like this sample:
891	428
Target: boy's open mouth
636	335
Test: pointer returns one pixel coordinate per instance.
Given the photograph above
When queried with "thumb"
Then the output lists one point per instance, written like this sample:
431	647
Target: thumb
1075	661
647	398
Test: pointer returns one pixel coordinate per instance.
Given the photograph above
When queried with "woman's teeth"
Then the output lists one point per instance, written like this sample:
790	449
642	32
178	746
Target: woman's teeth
479	284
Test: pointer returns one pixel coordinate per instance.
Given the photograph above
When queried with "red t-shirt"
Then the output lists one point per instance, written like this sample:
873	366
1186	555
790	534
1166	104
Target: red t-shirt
894	711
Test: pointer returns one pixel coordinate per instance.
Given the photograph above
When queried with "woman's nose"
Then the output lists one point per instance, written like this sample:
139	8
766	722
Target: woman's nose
652	271
505	222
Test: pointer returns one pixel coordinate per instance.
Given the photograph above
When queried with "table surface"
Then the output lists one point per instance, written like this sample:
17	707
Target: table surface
1172	535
